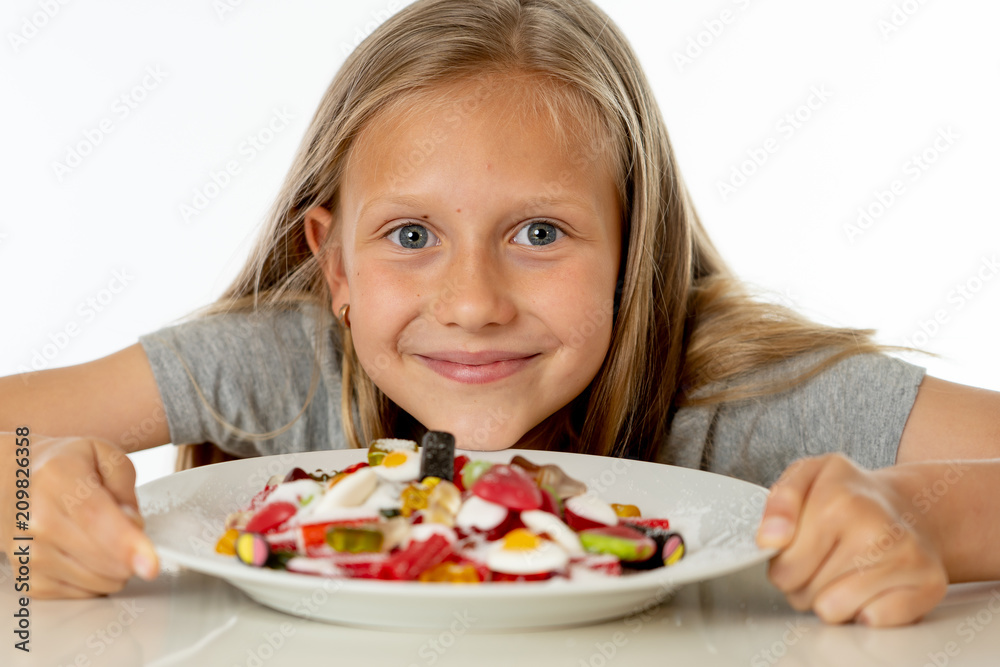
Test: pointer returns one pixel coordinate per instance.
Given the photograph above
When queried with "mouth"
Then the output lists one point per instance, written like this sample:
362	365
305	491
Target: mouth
477	367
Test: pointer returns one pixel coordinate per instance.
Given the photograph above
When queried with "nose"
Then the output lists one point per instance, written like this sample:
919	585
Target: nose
476	291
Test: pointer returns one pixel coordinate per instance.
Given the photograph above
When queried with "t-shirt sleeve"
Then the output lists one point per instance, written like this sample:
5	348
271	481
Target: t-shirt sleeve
857	407
238	380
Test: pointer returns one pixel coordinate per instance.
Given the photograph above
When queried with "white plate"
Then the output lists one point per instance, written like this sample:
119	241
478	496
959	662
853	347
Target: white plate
717	516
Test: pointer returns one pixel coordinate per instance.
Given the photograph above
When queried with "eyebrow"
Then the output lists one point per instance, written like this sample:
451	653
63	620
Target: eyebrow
414	201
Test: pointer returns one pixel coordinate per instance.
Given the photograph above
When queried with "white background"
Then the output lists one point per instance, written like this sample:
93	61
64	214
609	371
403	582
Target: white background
225	73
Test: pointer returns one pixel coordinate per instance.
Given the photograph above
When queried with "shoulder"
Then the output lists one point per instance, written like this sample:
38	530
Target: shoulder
856	405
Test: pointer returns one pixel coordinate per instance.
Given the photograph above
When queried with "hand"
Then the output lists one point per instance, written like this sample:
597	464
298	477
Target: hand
851	547
84	518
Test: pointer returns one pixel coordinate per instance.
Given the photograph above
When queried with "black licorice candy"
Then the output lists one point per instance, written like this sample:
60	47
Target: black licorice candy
437	455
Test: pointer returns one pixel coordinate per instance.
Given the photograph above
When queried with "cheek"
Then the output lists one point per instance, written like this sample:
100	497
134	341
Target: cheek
579	308
381	306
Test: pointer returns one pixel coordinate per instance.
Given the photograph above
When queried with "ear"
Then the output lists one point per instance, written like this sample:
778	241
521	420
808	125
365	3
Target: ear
329	252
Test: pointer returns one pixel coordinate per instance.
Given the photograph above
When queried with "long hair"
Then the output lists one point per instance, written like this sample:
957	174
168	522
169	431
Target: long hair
681	320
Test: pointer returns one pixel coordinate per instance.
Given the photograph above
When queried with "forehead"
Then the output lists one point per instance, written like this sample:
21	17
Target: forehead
517	126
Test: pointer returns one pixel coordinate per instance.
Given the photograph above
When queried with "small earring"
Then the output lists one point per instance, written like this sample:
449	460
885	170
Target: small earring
344	315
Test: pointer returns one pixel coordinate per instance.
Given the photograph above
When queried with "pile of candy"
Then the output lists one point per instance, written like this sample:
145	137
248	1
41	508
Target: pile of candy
421	513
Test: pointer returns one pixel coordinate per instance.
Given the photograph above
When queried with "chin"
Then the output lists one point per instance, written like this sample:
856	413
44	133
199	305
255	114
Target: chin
478	438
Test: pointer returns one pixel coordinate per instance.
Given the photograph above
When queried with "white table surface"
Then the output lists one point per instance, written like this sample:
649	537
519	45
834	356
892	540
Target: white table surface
186	618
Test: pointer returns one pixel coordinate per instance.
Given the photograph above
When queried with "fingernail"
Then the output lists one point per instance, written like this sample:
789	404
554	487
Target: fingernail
143	566
865	618
774	532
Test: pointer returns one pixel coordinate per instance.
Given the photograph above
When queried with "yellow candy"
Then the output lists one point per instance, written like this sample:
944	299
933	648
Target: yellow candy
451	573
520	539
626	511
395	459
414	498
227	543
447	495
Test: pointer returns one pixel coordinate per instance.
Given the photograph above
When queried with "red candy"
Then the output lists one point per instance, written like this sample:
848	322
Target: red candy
508	486
460	462
408	563
647	522
271	516
354	467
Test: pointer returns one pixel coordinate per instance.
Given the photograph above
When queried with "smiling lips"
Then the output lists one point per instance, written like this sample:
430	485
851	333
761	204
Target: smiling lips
476	367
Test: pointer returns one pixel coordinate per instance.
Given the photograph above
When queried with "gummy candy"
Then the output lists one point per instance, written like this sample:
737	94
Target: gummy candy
452	573
414	498
552	476
473	470
588	511
227	543
626	543
509	486
468	522
296	474
673	550
252	549
437	455
456	477
409	562
271	516
354	540
648	522
446	496
626	511
379	448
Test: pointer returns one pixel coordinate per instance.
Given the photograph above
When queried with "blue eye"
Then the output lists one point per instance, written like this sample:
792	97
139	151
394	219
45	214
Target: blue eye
412	237
538	234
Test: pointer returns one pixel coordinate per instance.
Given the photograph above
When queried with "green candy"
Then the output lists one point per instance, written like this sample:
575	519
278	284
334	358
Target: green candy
625	543
473	470
354	540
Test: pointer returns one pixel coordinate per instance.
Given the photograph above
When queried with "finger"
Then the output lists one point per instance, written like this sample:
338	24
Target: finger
784	503
91	554
914	578
48	588
115	535
70	571
900	606
116	471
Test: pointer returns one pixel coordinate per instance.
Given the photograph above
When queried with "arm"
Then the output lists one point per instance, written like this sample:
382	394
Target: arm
880	546
84	513
954	501
114	398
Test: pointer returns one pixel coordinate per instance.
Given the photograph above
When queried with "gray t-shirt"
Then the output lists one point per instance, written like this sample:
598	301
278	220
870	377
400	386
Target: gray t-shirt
255	372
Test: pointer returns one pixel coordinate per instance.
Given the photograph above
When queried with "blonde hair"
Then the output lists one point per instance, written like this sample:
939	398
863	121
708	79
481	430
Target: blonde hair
681	321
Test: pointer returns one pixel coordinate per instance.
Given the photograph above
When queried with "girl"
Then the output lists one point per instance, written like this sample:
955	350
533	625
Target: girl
485	232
